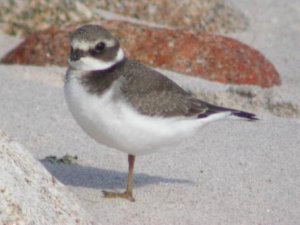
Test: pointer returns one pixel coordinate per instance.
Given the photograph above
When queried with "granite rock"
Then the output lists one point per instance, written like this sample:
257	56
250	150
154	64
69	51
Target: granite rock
212	57
198	15
25	17
29	194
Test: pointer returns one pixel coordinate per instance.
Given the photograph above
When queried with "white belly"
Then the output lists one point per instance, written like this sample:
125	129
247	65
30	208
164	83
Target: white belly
110	121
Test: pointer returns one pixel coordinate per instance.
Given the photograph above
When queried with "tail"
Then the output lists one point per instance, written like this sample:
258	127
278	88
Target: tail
213	109
243	115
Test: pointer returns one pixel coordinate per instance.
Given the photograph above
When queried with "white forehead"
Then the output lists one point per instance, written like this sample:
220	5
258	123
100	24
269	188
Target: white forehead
86	45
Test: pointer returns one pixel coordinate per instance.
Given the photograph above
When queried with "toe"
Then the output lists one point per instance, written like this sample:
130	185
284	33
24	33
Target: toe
124	195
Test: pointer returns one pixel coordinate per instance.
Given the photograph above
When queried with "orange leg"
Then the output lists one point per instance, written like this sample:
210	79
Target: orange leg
127	194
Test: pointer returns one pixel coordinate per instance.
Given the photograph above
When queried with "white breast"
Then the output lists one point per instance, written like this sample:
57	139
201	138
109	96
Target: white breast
112	122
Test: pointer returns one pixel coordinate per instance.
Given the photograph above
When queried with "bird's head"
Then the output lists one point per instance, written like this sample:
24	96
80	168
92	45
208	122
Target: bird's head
94	48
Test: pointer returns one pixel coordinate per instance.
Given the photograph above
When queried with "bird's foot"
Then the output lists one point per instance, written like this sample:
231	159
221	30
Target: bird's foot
126	195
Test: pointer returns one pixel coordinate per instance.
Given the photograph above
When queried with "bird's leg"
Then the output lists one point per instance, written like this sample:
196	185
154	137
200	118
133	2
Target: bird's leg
129	188
128	192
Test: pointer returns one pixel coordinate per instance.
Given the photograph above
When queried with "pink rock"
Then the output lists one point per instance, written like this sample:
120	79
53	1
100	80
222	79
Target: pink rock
212	57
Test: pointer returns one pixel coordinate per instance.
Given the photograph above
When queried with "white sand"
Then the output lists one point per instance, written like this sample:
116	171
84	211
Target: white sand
233	172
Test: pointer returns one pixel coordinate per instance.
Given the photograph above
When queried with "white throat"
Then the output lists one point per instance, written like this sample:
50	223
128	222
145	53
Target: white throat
89	63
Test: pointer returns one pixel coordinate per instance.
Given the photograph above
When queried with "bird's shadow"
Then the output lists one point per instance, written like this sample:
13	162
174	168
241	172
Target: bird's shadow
91	177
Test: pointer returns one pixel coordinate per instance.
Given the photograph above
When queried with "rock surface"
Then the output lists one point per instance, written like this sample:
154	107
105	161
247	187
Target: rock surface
212	57
197	15
23	17
29	194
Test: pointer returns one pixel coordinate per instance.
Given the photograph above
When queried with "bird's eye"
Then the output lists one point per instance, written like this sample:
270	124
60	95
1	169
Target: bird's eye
100	47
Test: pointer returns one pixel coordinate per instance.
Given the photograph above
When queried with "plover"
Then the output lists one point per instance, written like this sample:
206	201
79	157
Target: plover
127	106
